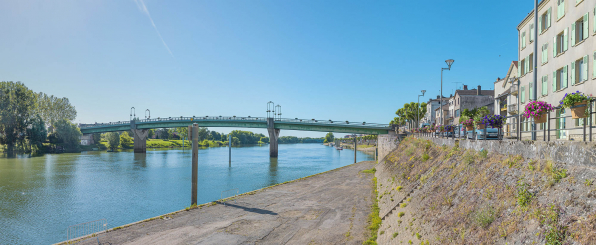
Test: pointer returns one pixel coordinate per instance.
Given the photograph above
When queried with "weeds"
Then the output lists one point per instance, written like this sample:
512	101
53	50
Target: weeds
555	235
418	236
395	234
399	188
370	171
588	182
400	214
483	153
524	197
425	157
374	219
485	217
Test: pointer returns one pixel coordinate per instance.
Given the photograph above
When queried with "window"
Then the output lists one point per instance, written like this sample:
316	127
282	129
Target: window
531	91
544	85
457	113
560	9
579	122
544	53
560	43
579	70
530	62
560	79
523	94
523	40
522	68
531	33
544	21
579	30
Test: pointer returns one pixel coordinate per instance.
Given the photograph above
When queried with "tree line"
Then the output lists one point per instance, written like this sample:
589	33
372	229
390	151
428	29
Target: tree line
410	114
29	119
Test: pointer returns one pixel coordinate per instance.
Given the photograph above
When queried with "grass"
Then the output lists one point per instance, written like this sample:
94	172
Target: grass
399	188
418	236
485	216
370	171
425	157
373	218
483	153
524	197
400	214
588	182
395	234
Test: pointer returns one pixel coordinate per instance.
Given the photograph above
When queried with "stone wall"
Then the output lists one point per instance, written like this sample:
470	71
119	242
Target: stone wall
387	143
565	152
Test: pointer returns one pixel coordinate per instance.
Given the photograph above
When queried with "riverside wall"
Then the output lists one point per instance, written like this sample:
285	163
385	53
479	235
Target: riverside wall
387	143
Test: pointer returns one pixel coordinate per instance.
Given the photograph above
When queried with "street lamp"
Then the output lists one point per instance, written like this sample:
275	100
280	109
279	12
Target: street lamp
418	110
147	117
449	63
270	109
278	111
131	112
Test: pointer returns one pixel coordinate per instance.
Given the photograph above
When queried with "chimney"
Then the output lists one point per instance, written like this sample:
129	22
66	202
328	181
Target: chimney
465	87
479	91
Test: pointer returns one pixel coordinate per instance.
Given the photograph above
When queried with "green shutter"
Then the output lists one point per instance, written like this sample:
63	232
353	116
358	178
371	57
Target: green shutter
594	65
585	73
548	16
586	28
523	95
554	81
564	77
544	85
540	24
531	94
573	34
573	73
554	46
565	46
545	52
562	8
594	24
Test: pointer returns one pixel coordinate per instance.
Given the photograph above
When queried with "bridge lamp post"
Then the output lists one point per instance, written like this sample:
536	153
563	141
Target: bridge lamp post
278	111
132	109
270	109
449	63
418	109
146	114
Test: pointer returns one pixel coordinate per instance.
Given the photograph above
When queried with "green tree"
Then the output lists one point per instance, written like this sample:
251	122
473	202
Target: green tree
96	138
265	140
52	109
126	142
182	132
37	133
151	133
17	104
69	135
329	137
113	140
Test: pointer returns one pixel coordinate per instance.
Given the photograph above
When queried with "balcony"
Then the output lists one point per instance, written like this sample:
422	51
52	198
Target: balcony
512	109
504	108
514	89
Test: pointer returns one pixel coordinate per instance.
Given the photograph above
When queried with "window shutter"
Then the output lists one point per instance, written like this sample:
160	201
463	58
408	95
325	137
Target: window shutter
545	85
554	81
573	34
527	64
594	66
540	24
548	17
564	77
542	55
532	32
545	52
585	68
573	73
531	94
523	95
594	24
562	8
554	46
586	28
565	45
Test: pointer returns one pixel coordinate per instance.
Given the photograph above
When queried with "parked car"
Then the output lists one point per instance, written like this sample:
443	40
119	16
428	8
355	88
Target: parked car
478	134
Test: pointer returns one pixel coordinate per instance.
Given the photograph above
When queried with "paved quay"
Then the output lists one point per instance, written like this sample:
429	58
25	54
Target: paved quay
329	208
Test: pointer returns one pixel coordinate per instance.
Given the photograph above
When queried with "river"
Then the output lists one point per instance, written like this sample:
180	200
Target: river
41	196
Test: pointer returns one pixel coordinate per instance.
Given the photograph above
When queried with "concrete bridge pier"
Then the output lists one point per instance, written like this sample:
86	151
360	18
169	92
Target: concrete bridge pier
140	140
273	136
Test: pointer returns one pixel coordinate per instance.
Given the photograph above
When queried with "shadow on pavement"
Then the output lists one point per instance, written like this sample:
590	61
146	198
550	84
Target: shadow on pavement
253	210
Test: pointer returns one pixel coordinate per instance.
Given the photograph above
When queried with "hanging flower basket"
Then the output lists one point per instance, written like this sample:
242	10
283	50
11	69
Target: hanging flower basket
538	111
469	124
577	102
494	121
540	119
479	126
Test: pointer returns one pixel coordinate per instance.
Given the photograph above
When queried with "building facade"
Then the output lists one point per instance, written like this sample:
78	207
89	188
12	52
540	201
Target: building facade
506	100
430	115
471	99
566	58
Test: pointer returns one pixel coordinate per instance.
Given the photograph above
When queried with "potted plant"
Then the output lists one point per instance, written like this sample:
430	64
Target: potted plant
577	102
449	128
538	110
478	122
494	121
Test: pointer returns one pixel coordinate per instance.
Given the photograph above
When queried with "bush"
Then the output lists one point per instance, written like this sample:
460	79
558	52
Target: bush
485	217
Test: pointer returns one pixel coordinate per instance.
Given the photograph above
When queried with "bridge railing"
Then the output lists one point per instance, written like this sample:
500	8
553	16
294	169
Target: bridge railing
242	119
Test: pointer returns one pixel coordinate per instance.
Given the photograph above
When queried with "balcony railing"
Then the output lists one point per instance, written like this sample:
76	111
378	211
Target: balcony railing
514	90
512	109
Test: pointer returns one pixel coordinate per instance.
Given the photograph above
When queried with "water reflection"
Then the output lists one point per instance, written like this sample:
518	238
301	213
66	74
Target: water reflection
140	159
272	171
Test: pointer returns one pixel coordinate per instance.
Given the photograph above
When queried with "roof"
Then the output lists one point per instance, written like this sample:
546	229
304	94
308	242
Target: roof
507	92
473	92
511	68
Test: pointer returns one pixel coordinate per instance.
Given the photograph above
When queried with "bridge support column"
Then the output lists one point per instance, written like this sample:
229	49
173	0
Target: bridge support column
140	140
273	136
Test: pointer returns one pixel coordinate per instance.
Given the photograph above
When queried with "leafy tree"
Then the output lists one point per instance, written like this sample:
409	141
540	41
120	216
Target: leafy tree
182	132
17	104
52	109
215	135
69	134
151	133
235	141
203	133
329	137
163	133
126	141
96	138
265	140
113	140
38	133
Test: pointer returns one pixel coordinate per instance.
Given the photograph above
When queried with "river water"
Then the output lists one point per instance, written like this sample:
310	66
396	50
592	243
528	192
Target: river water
41	196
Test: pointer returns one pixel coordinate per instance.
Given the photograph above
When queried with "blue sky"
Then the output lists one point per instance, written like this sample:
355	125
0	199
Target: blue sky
340	60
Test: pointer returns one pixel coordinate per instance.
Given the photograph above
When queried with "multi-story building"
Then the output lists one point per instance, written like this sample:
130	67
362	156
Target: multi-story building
471	99
438	115
566	46
506	100
431	106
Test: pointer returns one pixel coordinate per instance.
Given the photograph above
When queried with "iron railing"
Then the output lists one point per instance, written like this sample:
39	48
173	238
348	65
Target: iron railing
241	119
555	127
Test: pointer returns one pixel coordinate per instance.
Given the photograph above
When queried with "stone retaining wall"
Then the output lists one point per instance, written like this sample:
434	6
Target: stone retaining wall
386	144
575	153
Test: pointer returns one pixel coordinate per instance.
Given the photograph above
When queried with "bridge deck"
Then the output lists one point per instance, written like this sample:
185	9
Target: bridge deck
241	122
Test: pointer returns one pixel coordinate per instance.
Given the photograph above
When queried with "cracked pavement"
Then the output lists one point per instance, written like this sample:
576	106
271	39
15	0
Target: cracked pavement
329	208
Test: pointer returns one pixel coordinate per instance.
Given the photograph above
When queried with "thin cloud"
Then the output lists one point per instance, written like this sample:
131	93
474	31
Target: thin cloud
143	8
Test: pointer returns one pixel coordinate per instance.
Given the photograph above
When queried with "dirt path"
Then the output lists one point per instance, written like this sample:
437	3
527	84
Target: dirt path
330	208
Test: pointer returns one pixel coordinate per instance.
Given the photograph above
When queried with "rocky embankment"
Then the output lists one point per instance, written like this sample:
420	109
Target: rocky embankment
430	194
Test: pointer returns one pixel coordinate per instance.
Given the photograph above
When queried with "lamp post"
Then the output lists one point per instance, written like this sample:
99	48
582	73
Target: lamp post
133	111
418	110
278	112
535	89
449	63
147	117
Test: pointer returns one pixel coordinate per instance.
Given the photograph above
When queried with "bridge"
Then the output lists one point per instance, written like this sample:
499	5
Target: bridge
140	128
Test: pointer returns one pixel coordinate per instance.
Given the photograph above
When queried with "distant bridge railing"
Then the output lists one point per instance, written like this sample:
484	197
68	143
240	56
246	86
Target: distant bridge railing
235	118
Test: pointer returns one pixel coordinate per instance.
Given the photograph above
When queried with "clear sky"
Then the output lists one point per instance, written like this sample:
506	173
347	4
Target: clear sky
339	60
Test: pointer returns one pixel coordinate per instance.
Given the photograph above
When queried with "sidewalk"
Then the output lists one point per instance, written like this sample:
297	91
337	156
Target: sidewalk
329	208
